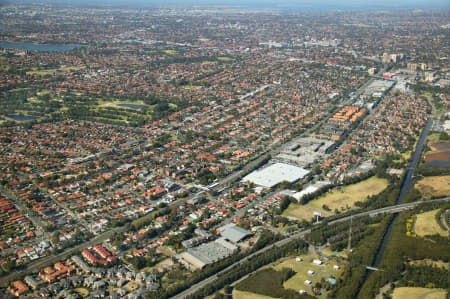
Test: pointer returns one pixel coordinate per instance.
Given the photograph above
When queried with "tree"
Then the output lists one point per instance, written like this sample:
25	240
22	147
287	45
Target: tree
284	204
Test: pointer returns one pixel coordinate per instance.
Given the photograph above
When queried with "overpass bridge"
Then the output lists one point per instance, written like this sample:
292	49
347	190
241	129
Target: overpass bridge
390	210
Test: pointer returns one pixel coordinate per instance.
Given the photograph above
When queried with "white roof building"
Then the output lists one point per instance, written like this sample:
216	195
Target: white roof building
275	174
233	232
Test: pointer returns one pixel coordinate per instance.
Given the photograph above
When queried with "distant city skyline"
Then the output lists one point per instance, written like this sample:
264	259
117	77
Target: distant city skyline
277	4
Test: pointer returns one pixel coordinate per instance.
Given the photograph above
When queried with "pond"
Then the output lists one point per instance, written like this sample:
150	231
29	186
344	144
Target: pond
22	117
132	106
438	163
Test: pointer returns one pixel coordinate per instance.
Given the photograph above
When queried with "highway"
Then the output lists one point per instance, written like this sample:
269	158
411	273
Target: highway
385	210
389	210
212	278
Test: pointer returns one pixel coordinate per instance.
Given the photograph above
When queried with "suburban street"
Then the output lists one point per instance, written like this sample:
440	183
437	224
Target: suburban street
222	183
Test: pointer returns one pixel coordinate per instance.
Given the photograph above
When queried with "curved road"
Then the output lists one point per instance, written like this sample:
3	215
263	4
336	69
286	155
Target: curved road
432	292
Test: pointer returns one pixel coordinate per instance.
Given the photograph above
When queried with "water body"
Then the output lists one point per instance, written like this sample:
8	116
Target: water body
440	157
132	106
22	117
39	47
438	163
406	186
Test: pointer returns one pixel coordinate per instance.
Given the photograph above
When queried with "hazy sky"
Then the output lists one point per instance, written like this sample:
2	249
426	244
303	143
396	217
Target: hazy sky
267	3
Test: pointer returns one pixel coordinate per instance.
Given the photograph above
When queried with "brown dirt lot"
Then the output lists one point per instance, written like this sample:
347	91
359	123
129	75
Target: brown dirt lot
434	185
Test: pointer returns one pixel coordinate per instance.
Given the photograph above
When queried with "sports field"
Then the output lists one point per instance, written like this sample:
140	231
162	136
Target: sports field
348	195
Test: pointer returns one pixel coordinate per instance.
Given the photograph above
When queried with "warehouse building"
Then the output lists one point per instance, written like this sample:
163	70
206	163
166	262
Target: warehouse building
208	253
276	173
233	232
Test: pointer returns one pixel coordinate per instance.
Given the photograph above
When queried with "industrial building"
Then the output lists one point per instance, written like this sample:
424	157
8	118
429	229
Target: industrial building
306	150
233	232
276	173
208	253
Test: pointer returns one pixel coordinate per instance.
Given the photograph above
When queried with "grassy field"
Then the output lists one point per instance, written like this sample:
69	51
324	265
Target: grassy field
267	282
82	291
337	199
327	251
225	58
360	25
209	62
165	264
52	71
189	87
247	295
433	137
348	195
297	282
405	157
427	225
417	293
434	185
303	212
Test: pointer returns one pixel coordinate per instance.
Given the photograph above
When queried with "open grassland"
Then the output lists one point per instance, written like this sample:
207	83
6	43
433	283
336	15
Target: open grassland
417	293
170	52
247	295
224	58
337	199
208	62
297	282
327	251
426	224
131	286
361	25
348	195
434	185
303	212
267	282
432	263
53	71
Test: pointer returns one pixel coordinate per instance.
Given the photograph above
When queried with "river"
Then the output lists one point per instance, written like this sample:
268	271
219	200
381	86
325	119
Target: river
39	47
406	186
